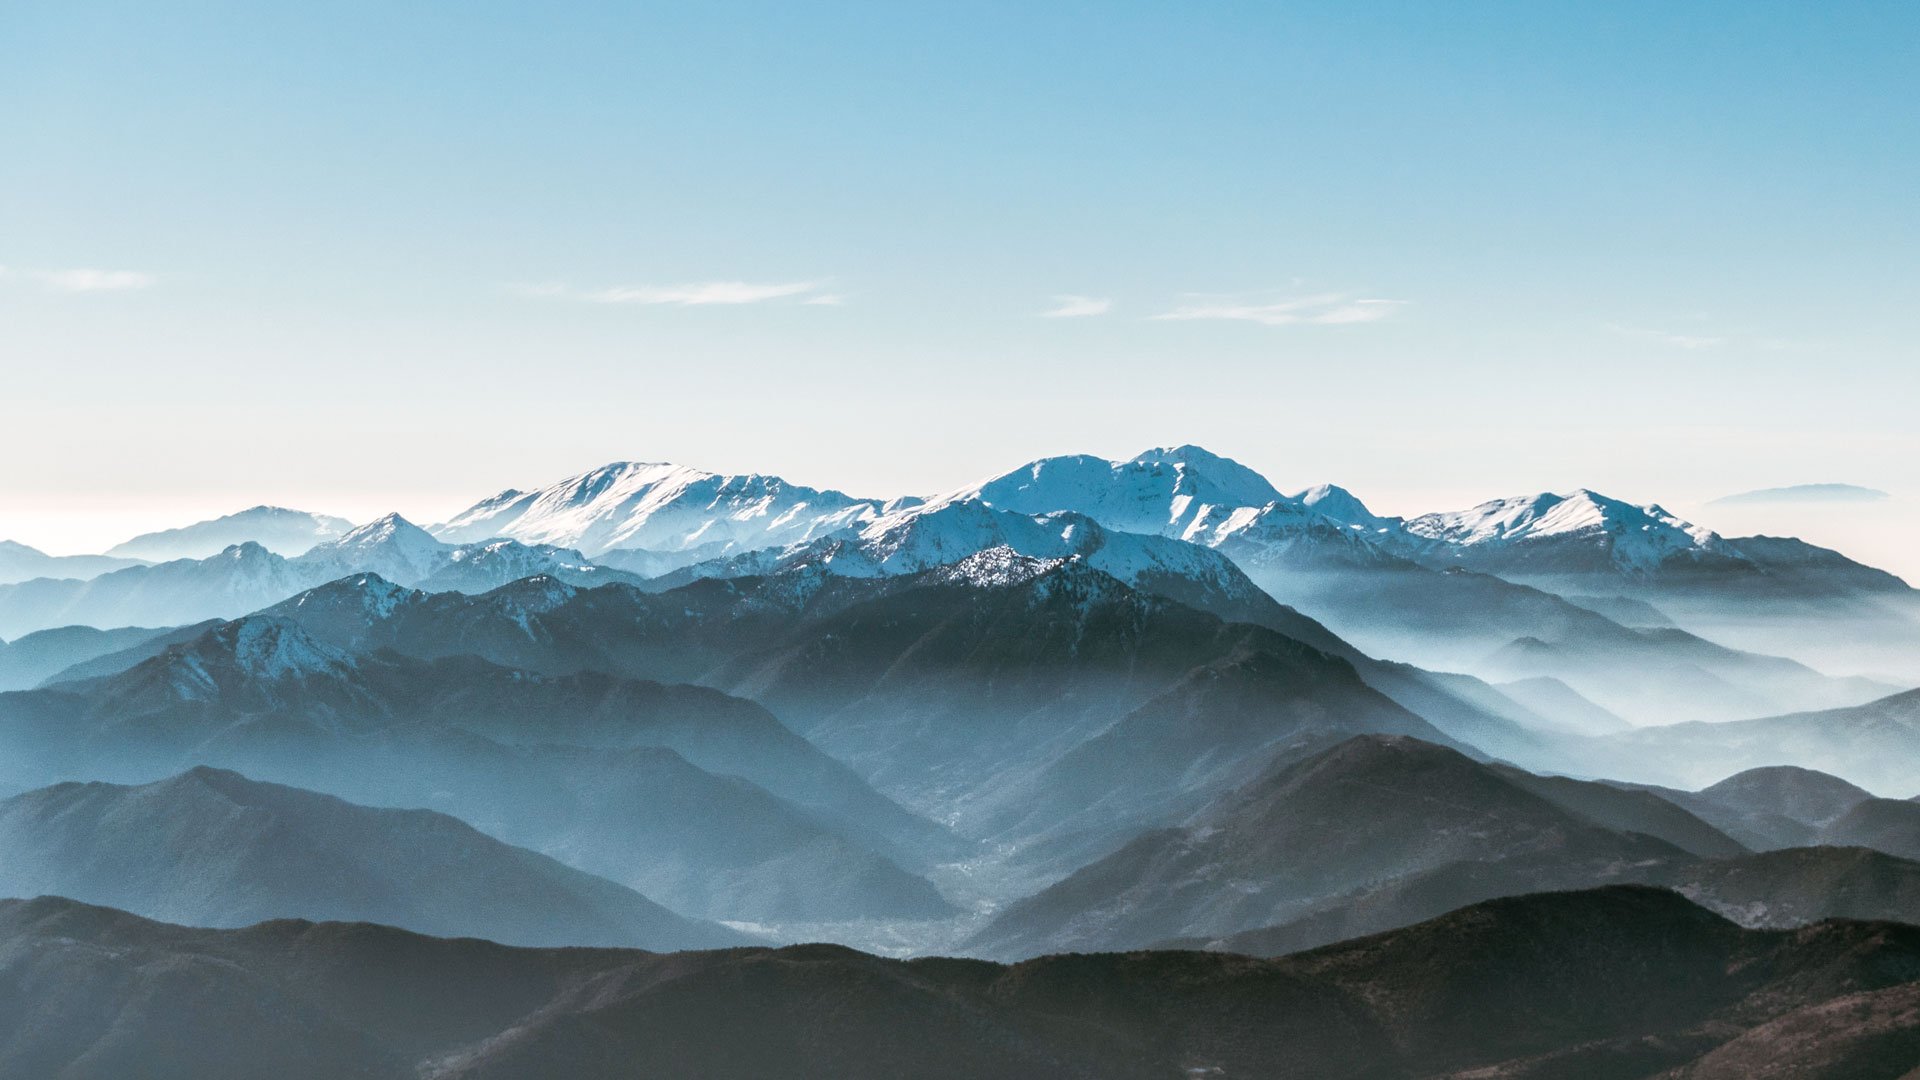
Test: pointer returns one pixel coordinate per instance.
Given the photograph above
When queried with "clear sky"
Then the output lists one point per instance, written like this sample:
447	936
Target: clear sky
355	257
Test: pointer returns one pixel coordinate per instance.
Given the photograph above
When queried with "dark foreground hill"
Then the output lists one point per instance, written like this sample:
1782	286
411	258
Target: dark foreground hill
1613	983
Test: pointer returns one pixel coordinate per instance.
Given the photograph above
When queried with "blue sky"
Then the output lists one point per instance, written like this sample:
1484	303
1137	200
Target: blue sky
356	257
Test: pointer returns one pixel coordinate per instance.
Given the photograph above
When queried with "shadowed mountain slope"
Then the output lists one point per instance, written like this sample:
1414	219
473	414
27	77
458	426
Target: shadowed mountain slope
212	848
946	688
1621	982
591	769
1382	832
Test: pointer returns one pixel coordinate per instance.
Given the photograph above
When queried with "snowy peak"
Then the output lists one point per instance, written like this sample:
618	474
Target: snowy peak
531	595
1339	504
1219	479
661	507
1632	537
949	533
1158	491
368	597
388	531
392	547
997	567
1070	580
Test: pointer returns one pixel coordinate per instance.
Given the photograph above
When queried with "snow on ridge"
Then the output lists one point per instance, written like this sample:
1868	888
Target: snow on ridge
947	532
667	518
1640	537
1158	491
658	506
998	567
1341	505
375	596
267	647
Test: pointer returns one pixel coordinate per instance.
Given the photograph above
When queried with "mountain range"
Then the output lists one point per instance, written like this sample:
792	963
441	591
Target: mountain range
598	770
212	848
1621	982
247	576
890	674
279	530
1320	549
1421	830
1566	760
18	562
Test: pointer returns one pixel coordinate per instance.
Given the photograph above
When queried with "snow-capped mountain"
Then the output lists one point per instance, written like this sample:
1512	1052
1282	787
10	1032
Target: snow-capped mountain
1191	494
392	547
1286	534
661	508
1160	491
279	530
404	553
948	532
1581	531
1333	501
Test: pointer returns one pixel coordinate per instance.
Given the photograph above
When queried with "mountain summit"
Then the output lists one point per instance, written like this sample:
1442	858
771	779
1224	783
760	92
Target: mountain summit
660	507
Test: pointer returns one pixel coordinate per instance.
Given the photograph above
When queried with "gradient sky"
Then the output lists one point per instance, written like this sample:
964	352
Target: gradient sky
372	256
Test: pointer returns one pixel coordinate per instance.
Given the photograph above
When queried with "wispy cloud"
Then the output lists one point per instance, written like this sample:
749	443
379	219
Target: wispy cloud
692	294
826	300
83	280
1319	309
701	293
1077	307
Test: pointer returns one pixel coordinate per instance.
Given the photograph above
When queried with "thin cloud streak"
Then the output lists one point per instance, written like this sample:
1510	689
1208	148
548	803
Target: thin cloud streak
1077	307
702	293
691	294
83	280
1320	309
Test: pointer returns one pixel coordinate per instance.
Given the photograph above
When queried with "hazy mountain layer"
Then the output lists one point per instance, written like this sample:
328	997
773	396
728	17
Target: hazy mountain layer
279	530
955	689
1873	745
18	562
28	661
248	576
212	848
587	768
1382	832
